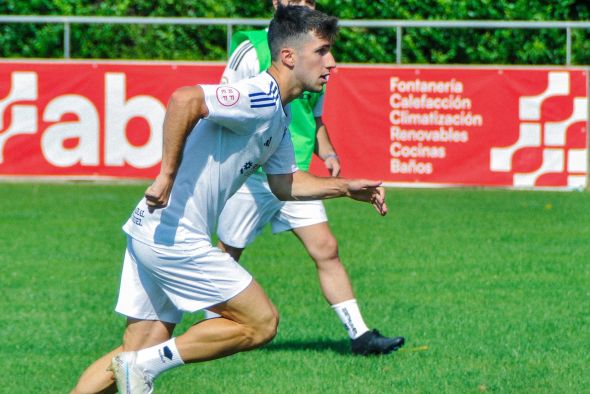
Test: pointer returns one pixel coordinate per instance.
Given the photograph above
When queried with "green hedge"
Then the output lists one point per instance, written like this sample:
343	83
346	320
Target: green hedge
420	45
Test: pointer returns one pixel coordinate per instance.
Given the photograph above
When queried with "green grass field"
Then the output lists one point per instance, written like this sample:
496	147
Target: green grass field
491	289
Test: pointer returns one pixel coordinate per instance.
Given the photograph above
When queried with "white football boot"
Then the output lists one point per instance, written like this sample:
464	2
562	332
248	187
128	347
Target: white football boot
129	377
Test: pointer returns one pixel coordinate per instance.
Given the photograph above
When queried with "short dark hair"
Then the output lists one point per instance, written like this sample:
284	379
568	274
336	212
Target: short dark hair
292	22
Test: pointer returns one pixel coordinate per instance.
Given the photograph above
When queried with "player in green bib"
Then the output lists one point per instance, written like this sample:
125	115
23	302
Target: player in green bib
254	205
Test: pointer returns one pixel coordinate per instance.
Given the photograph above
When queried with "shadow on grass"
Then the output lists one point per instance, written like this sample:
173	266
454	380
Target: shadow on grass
340	347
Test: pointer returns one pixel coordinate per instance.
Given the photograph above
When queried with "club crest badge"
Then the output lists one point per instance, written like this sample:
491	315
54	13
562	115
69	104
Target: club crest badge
227	96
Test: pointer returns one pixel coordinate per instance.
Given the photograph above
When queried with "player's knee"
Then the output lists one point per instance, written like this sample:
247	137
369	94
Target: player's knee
324	248
268	329
265	328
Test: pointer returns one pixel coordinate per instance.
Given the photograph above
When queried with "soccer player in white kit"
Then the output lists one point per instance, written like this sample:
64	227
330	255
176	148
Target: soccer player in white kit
170	266
254	205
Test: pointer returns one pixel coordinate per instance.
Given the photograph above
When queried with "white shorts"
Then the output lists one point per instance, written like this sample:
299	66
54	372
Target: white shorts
253	206
162	283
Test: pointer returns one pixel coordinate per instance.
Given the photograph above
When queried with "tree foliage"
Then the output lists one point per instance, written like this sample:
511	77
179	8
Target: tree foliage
359	45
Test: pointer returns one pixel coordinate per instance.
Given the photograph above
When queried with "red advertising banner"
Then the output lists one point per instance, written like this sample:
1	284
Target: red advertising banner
504	127
88	119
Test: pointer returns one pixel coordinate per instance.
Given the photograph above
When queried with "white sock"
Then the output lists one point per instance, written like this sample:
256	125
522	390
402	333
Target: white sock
350	315
157	359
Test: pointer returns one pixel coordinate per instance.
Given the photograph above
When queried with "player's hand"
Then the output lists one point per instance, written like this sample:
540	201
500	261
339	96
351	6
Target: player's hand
158	193
332	163
368	191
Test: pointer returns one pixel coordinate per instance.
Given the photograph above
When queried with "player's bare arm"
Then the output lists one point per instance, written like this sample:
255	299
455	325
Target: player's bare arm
324	148
302	185
185	108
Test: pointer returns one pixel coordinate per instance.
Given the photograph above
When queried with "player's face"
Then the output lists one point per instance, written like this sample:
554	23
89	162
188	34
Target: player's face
305	3
314	63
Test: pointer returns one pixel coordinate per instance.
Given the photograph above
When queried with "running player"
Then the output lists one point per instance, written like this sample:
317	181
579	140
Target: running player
214	138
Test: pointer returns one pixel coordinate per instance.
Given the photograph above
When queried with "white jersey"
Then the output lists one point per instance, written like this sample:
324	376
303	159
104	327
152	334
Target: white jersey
244	64
246	128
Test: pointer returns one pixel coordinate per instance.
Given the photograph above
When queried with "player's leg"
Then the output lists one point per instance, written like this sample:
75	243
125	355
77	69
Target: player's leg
134	300
96	378
192	280
138	335
247	321
322	247
309	223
